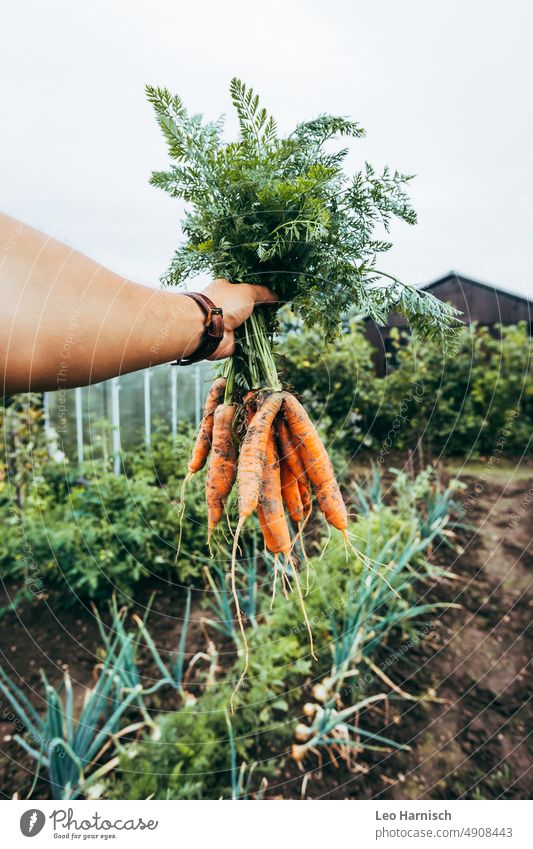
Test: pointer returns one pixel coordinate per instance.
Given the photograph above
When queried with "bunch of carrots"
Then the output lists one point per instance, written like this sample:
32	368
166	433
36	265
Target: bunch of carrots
278	463
280	210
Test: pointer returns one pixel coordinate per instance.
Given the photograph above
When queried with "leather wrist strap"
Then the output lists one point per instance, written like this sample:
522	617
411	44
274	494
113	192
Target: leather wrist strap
213	332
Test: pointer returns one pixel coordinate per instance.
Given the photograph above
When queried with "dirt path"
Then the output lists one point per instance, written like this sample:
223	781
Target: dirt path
474	741
476	745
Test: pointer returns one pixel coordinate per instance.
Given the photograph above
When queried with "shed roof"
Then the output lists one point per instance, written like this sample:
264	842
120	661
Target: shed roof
463	279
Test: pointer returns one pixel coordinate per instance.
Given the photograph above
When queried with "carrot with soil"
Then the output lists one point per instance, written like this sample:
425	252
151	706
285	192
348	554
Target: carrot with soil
202	446
222	467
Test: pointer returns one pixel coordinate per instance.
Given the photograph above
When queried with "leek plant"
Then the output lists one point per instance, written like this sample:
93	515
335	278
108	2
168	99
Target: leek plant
430	501
71	748
241	777
380	600
368	495
173	671
121	643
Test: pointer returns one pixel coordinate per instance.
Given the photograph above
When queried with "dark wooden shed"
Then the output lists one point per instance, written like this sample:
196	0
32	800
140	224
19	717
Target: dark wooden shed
480	302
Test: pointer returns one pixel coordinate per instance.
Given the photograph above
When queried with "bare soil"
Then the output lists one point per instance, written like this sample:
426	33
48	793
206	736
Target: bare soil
475	743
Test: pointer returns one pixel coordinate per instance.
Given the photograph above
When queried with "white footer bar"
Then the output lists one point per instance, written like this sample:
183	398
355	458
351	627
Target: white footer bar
269	824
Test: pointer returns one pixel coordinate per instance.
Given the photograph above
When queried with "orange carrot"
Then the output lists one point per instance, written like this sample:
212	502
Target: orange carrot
202	445
222	465
274	524
270	508
291	493
252	457
316	462
290	456
249	478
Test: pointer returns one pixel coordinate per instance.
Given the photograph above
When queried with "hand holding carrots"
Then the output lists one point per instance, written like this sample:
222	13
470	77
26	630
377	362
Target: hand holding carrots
237	300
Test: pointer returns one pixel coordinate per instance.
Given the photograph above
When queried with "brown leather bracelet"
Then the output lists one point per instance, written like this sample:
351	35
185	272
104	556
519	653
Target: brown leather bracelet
213	332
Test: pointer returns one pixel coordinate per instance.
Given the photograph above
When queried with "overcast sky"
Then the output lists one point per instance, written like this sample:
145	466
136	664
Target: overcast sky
443	89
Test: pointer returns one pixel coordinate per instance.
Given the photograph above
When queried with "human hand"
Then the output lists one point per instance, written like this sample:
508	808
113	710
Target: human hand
237	300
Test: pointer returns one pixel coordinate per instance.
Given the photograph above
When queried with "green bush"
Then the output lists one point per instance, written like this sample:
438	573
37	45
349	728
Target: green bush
462	405
167	458
95	531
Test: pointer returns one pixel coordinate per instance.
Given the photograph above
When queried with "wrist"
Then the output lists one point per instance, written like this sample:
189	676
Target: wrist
193	319
213	329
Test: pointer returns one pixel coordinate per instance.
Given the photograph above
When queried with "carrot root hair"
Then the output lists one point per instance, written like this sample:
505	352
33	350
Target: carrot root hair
299	537
275	582
238	611
366	561
302	605
285	582
181	512
327	541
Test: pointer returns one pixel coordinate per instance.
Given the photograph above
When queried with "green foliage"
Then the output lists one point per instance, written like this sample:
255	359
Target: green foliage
99	532
281	211
194	752
25	452
467	401
108	535
425	498
220	598
191	755
189	758
165	462
460	406
173	666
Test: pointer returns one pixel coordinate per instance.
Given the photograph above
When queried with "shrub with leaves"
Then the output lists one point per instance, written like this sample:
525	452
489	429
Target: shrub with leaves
108	534
458	407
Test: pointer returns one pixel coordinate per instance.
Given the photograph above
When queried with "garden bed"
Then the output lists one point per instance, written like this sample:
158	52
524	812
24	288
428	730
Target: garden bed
472	743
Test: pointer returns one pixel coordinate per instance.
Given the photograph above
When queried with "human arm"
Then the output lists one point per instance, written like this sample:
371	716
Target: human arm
67	321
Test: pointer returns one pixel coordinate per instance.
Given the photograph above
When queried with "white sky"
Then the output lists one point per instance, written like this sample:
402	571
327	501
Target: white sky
443	89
